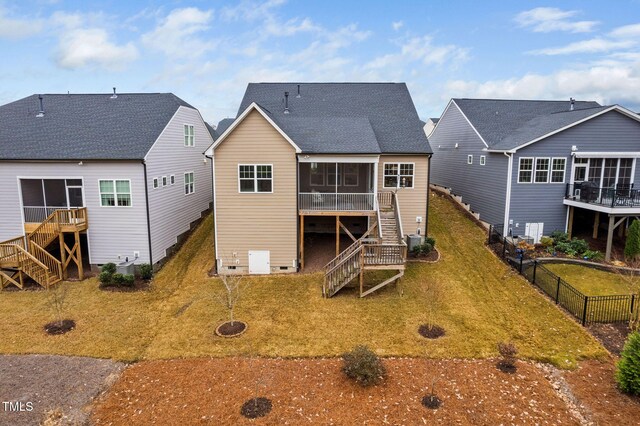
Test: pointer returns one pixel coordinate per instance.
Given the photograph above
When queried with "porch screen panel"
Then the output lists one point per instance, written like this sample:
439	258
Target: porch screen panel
32	195
624	173
610	169
595	170
55	192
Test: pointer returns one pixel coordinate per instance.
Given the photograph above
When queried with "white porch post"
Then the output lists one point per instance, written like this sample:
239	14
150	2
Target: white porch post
375	185
336	191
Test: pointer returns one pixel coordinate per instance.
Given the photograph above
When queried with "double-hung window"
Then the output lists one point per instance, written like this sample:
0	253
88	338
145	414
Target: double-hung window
525	172
398	175
558	166
255	178
350	174
542	170
189	135
188	183
316	175
115	193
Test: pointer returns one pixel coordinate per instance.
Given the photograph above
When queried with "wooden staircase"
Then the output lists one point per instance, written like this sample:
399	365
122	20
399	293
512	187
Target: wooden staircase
387	251
28	255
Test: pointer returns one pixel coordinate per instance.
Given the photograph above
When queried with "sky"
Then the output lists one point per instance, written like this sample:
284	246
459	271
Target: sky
207	51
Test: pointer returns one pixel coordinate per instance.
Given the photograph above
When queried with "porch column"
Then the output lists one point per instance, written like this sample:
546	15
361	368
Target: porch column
596	225
337	235
301	242
607	255
375	185
570	222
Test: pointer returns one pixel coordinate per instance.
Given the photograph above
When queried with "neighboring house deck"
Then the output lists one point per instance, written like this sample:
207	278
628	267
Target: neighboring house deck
540	166
316	159
98	178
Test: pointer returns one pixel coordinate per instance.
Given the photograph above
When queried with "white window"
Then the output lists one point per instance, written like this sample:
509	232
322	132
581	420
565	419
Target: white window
255	178
115	193
542	170
172	179
164	181
398	175
332	169
316	175
558	166
483	160
155	183
525	172
350	174
469	159
188	183
189	135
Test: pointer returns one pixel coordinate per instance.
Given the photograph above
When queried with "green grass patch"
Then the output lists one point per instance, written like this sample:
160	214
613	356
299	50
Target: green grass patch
473	295
594	282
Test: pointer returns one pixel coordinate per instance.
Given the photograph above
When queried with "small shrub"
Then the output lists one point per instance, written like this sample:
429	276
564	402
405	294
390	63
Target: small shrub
508	352
129	280
565	247
579	246
105	277
559	237
364	366
109	267
117	278
594	255
431	241
146	271
546	242
632	245
628	369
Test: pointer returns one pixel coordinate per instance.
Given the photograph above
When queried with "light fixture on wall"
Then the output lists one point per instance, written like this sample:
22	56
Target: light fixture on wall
81	164
456	145
574	148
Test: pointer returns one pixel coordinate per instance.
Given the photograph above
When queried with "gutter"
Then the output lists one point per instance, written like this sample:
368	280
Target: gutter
146	196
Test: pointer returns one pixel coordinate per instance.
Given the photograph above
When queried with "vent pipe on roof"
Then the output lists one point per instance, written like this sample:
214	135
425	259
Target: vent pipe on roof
41	112
573	101
298	91
286	102
114	96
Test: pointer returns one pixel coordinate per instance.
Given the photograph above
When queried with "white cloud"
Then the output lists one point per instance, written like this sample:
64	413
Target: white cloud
16	28
250	11
291	27
594	45
176	36
421	50
396	25
627	31
549	19
82	47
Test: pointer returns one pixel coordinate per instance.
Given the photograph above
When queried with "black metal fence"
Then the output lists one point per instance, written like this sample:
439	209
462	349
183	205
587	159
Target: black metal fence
587	309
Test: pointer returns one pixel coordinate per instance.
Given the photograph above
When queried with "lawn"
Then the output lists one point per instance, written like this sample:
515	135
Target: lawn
474	296
593	282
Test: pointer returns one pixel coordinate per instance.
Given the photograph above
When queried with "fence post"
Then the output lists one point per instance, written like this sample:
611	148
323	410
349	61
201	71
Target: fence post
633	298
584	311
558	291
535	265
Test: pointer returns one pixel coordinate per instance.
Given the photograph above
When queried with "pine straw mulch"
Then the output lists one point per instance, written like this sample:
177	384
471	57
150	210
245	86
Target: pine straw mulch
314	391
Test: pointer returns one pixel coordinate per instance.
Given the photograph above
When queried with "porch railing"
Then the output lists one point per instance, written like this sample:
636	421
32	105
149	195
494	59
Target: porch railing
37	214
330	201
588	192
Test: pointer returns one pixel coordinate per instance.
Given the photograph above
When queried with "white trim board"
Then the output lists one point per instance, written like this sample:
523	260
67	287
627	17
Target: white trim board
610	210
312	158
586	154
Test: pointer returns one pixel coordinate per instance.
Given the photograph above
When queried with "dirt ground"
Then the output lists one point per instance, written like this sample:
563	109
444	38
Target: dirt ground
49	382
612	336
314	391
319	249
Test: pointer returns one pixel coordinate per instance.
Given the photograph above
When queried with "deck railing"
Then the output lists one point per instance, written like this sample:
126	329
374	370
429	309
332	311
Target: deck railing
588	192
37	214
331	201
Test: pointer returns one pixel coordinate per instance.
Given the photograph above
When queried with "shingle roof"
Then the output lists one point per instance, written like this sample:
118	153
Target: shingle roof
85	126
507	124
223	125
337	118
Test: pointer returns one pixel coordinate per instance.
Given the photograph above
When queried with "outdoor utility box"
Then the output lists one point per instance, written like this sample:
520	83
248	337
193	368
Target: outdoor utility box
125	268
413	240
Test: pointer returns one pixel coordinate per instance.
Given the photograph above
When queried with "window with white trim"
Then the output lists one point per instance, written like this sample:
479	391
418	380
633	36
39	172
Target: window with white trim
189	187
525	170
316	174
398	175
558	167
483	160
469	159
115	193
189	135
542	170
156	183
172	179
164	181
255	178
350	174
332	169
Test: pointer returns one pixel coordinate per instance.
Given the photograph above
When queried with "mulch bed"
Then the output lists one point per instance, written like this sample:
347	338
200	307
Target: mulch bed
59	327
256	407
612	336
594	386
506	367
431	332
431	401
231	328
432	257
138	285
315	391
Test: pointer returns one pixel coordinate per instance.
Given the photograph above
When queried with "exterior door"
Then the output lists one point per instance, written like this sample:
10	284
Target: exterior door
259	262
534	230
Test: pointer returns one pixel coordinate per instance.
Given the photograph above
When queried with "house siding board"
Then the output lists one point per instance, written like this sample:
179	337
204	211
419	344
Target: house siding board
412	201
260	221
171	211
483	187
611	132
112	231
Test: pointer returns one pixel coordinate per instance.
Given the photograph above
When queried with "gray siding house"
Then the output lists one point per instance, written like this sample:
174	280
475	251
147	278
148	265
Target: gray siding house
132	162
533	167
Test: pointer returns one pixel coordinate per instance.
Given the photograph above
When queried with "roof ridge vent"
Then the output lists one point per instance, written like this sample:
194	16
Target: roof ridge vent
298	95
41	112
286	102
572	105
114	96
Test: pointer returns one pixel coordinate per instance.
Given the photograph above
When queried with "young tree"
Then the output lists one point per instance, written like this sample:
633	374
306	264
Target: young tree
57	301
229	298
632	245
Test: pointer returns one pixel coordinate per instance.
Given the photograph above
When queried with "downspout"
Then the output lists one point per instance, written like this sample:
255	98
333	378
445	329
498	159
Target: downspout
507	205
146	193
298	242
426	221
213	212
